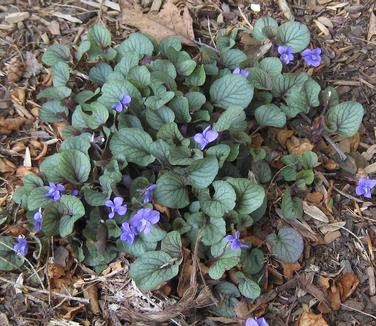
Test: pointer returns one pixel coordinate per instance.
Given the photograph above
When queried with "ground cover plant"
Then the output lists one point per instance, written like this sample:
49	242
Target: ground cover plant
158	158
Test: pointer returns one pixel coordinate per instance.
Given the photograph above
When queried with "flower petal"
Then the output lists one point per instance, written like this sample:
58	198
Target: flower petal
109	203
282	49
122	210
211	135
118	201
306	52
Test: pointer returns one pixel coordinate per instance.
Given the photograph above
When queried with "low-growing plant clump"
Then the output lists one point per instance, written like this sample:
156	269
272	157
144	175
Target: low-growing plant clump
157	156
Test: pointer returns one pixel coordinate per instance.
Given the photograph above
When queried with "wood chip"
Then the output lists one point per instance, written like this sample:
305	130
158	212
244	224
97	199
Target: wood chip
370	168
332	227
16	17
106	3
325	21
286	10
67	17
315	212
322	27
331	236
54	28
371	26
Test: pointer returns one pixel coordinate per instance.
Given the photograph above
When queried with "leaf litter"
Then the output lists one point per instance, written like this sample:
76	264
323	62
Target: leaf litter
341	19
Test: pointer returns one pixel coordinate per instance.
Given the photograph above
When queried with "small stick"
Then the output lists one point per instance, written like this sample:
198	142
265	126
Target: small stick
359	311
60	295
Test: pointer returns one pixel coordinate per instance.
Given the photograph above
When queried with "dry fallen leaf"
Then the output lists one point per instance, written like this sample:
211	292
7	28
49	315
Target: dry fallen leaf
170	21
298	146
347	285
283	135
322	27
185	275
32	65
7	166
289	269
71	311
8	125
315	212
314	197
91	293
311	319
14	70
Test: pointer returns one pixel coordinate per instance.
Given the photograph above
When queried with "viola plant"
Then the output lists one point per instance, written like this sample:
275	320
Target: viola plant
157	154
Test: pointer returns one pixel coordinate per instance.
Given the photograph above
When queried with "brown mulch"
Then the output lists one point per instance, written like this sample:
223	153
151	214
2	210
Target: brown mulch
340	28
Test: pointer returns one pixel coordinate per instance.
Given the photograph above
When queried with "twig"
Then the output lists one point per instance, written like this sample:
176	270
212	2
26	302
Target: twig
245	19
286	10
211	35
66	297
359	311
341	154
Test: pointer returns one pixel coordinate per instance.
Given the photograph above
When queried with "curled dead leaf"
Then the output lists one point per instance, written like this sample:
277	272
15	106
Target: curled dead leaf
347	285
257	141
314	197
91	293
331	165
8	125
283	135
311	319
71	311
289	269
170	21
7	166
315	212
298	146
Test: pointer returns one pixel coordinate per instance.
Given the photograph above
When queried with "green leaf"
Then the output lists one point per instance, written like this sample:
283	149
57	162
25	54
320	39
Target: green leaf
220	151
89	116
228	117
53	111
85	95
197	77
56	53
112	90
138	43
195	100
169	42
132	145
48	168
74	166
160	150
186	67
229	259
260	79
264	28
94	198
157	118
214	231
171	244
137	248
81	143
153	269
100	73
180	155
301	98
60	73
82	49
283	83
129	60
9	260
100	35
156	102
202	172
139	76
250	289
180	106
287	245
171	191
221	202
270	115
74	210
292	207
293	34
307	175
164	66
231	90
170	133
308	160
271	65
38	198
262	171
127	120
111	175
344	118
249	196
252	261
55	93
232	58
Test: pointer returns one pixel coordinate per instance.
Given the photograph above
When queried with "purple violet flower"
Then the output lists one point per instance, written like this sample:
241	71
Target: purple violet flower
21	246
286	55
144	219
116	207
75	192
54	191
206	137
38	218
365	186
148	193
128	233
256	322
235	242
312	57
123	103
240	71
